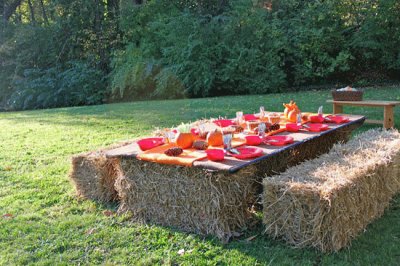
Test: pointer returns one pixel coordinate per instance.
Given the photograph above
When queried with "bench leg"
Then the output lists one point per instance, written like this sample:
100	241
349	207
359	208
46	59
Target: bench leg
337	109
388	117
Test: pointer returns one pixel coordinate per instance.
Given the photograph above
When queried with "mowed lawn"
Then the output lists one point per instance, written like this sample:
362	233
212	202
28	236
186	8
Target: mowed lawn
43	222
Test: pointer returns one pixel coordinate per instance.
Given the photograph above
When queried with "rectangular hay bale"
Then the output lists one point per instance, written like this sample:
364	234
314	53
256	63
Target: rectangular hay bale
327	201
94	176
189	198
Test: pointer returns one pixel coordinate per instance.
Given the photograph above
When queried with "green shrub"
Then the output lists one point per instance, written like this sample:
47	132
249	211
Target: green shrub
55	87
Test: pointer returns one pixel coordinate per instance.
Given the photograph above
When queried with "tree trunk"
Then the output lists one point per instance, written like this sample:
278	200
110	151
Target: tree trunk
46	20
113	8
98	24
32	11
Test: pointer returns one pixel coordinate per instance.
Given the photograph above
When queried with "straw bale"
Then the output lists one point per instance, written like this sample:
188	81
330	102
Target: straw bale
326	202
189	198
94	176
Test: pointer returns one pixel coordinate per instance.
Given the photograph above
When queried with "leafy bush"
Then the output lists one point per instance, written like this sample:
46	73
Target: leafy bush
55	87
246	48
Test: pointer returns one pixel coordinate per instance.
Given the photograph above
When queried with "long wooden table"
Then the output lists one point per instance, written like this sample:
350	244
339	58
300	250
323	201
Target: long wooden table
231	164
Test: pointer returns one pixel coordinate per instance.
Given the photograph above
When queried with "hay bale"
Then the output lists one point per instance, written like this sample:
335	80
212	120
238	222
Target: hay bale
189	198
326	202
93	176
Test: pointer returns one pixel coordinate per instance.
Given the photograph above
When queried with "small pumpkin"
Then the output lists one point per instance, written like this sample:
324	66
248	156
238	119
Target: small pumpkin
292	116
291	111
184	140
215	138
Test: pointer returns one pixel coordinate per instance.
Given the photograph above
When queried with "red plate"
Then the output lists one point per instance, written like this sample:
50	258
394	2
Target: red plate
223	122
278	140
249	117
247	152
338	119
316	127
149	143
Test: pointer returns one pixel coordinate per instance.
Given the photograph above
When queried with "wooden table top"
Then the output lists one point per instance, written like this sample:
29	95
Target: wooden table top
366	103
232	164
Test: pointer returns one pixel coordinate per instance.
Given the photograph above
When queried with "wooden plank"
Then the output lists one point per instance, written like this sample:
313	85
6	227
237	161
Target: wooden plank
388	117
337	108
371	121
365	103
130	150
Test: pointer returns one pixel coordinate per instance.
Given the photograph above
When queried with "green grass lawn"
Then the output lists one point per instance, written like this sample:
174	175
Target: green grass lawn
49	225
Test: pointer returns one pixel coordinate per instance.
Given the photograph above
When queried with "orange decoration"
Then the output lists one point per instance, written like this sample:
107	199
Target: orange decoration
291	111
184	140
215	138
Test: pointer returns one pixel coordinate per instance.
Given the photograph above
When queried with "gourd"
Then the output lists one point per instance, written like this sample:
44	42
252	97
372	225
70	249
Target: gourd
184	139
215	138
291	111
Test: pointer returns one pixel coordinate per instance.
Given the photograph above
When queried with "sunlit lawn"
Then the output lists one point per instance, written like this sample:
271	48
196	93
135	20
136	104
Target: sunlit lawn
42	222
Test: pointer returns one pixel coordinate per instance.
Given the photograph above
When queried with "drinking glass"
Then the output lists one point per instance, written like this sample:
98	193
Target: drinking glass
261	130
170	136
227	141
262	112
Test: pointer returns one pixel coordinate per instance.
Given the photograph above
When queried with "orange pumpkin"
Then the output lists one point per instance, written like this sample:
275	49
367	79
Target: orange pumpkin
184	140
291	111
215	138
292	116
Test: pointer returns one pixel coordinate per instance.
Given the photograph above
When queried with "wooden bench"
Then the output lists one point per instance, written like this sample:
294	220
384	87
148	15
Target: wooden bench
388	114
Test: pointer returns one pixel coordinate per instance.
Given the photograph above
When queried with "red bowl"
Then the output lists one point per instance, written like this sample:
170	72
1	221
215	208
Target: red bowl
223	122
317	119
215	154
149	143
253	140
293	127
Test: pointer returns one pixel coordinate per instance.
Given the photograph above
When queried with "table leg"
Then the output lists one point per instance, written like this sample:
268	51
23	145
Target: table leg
337	108
388	117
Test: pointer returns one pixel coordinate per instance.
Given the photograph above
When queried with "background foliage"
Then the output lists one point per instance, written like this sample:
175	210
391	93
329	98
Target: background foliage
74	52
